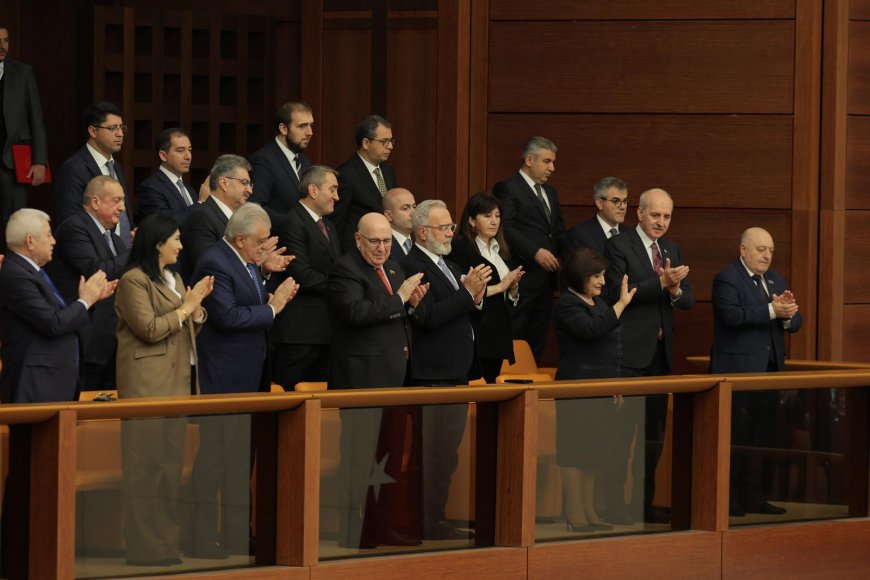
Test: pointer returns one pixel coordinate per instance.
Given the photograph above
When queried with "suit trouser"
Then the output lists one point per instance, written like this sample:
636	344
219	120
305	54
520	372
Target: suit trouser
294	363
531	317
13	196
442	431
358	443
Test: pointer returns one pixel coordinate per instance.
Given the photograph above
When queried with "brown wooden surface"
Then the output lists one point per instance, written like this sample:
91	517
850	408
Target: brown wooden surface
856	327
859	9
710	67
857	452
858	67
260	573
516	471
673	555
711	459
857	151
641	9
800	380
856	261
478	73
816	550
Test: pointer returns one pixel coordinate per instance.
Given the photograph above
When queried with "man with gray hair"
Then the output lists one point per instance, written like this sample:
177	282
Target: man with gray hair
37	326
535	231
610	196
233	349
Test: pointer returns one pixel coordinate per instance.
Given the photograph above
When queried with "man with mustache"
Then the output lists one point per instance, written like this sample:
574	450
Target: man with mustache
610	196
20	123
165	192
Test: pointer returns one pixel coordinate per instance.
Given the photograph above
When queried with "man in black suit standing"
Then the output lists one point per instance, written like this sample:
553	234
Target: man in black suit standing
655	267
369	299
610	196
164	192
86	244
535	232
106	130
20	123
365	178
444	353
301	335
278	166
399	207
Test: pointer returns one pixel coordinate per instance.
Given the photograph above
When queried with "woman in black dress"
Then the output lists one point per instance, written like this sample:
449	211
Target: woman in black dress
481	241
590	346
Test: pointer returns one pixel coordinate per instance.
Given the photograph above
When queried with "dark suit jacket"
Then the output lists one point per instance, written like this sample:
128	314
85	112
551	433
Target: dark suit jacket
444	347
306	319
81	250
233	345
38	335
586	234
744	334
493	326
73	177
276	186
397	253
527	229
157	194
23	113
589	345
357	196
650	309
202	229
370	334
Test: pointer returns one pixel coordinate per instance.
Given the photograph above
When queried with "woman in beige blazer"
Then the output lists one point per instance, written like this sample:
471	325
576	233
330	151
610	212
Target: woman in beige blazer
157	323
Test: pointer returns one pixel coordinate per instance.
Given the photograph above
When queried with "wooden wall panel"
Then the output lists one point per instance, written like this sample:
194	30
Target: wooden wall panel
859	9
859	68
858	162
700	67
695	157
857	258
641	9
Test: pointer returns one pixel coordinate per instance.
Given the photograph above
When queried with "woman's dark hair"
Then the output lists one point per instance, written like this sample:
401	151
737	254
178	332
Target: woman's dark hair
582	265
477	204
154	229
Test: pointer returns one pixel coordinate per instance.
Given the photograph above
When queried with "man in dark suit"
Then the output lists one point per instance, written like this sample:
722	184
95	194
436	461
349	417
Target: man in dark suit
86	243
655	267
752	311
399	207
444	353
535	232
20	123
38	327
106	131
278	166
164	192
233	349
301	334
365	178
368	301
610	196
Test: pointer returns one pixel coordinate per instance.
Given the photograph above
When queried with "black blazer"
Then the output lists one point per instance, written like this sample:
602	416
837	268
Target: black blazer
81	250
589	338
276	186
444	349
651	308
201	230
586	234
370	335
22	112
493	326
38	335
357	196
305	320
157	194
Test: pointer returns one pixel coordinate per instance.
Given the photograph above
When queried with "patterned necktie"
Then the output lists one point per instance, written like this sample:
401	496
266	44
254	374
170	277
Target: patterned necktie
322	227
443	265
51	286
183	191
408	245
382	187
614	232
255	277
540	193
656	257
760	286
108	235
383	278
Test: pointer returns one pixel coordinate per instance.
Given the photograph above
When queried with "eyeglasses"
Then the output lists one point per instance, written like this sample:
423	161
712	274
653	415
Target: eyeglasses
618	202
245	182
112	128
444	228
375	242
385	142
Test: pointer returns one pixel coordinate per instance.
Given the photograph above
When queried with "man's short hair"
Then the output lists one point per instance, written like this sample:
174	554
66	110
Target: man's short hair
224	166
96	113
22	223
284	113
314	175
368	127
5	26
600	189
244	220
421	212
96	187
164	139
535	144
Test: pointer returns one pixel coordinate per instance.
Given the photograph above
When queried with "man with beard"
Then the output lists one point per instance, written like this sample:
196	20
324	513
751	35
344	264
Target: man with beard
276	168
164	192
399	207
610	196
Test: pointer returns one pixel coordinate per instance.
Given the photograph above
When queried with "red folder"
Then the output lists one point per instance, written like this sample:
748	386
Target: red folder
21	158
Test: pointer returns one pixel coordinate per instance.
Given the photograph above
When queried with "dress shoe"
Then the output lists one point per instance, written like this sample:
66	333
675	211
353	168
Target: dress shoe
444	531
765	507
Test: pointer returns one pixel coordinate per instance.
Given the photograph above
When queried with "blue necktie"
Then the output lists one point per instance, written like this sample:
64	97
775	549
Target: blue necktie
443	265
255	276
51	285
408	244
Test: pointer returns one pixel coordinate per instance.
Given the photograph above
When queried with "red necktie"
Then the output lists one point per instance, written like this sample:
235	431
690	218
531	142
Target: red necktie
383	278
322	227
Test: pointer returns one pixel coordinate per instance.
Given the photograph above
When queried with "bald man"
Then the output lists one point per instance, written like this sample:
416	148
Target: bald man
399	204
752	310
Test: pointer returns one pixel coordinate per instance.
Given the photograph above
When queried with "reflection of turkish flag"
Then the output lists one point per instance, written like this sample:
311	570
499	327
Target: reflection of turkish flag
393	517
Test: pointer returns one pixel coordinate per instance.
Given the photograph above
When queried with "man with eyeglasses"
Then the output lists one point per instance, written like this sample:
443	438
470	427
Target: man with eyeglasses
365	178
106	129
610	196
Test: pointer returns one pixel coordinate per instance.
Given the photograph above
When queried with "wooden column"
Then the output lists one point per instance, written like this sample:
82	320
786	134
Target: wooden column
711	458
516	471
858	451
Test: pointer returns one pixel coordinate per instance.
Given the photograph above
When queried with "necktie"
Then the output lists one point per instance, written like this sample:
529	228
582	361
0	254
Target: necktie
297	165
51	286
656	257
183	190
760	286
443	265
322	227
382	187
408	244
255	276
383	278
110	164
539	191
614	232
108	235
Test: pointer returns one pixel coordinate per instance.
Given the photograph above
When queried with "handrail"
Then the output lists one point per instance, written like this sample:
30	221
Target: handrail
627	386
703	362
